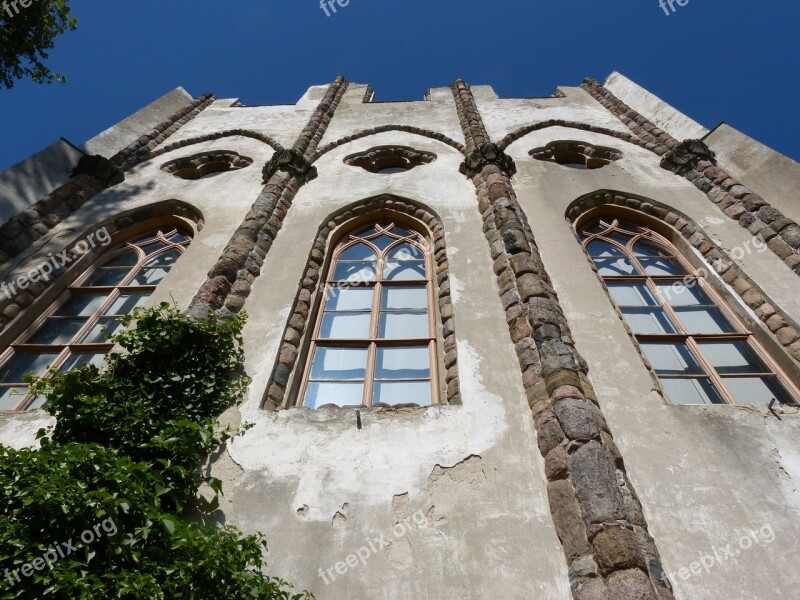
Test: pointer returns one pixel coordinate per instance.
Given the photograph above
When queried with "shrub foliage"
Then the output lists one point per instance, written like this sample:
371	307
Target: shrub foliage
126	453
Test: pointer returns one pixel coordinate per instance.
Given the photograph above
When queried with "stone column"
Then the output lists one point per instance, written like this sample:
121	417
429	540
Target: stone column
597	515
230	279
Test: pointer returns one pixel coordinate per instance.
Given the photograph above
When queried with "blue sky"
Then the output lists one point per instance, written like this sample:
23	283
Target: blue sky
716	60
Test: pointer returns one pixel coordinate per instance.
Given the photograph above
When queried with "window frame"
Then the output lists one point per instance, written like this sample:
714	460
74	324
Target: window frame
76	275
739	333
344	239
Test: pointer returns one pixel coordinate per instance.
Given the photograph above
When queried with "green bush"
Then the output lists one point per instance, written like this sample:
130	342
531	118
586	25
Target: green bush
123	463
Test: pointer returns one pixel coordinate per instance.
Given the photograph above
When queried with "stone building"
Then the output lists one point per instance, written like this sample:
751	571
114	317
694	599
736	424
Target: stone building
500	347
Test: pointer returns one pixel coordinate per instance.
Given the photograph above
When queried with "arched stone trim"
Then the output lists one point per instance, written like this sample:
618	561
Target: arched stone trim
123	224
287	370
206	163
693	160
270	141
91	176
523	131
382	129
783	328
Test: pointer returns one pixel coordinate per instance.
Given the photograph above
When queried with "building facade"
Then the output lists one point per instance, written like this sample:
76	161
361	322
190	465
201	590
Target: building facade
518	348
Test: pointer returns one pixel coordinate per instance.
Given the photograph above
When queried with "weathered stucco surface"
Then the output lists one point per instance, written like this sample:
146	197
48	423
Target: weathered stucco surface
459	492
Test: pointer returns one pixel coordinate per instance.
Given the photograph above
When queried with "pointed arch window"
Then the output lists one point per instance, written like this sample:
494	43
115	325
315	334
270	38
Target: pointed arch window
374	340
73	331
700	351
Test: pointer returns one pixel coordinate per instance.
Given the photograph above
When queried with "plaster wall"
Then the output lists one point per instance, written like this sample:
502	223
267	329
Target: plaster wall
674	122
705	475
464	485
775	176
29	180
127	131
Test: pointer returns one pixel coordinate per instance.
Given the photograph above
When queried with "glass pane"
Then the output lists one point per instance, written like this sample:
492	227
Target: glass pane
599	248
405	251
702	319
345	326
400	232
407	297
403	325
355	272
731	358
108	276
339	363
101	331
614	267
150	276
56	331
402	392
38	402
152	248
82	305
126	302
691	391
21	363
11	396
671	358
178	238
129	258
367	232
645	249
680	294
648	320
755	390
76	361
404	271
383	241
631	294
661	266
412	362
167	258
358	252
349	298
341	394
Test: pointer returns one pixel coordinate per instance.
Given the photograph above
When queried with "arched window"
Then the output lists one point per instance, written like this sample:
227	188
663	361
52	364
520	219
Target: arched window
73	331
374	340
700	351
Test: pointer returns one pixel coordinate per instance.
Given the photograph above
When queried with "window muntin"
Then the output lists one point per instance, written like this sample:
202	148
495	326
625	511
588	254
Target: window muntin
700	351
374	341
74	330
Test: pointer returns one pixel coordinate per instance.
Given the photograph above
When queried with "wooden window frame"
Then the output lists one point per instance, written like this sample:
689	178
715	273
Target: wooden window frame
693	341
374	342
62	351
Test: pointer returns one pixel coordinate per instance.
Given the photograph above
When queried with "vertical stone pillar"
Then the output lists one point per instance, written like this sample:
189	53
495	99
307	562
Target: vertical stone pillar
597	515
229	281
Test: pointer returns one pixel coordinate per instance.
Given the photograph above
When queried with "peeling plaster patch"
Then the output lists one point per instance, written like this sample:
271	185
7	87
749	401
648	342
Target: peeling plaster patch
714	220
453	487
18	429
400	508
456	287
216	240
399	554
336	458
339	520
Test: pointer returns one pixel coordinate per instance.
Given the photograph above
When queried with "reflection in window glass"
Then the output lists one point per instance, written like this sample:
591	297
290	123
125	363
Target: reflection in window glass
678	323
378	305
75	329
